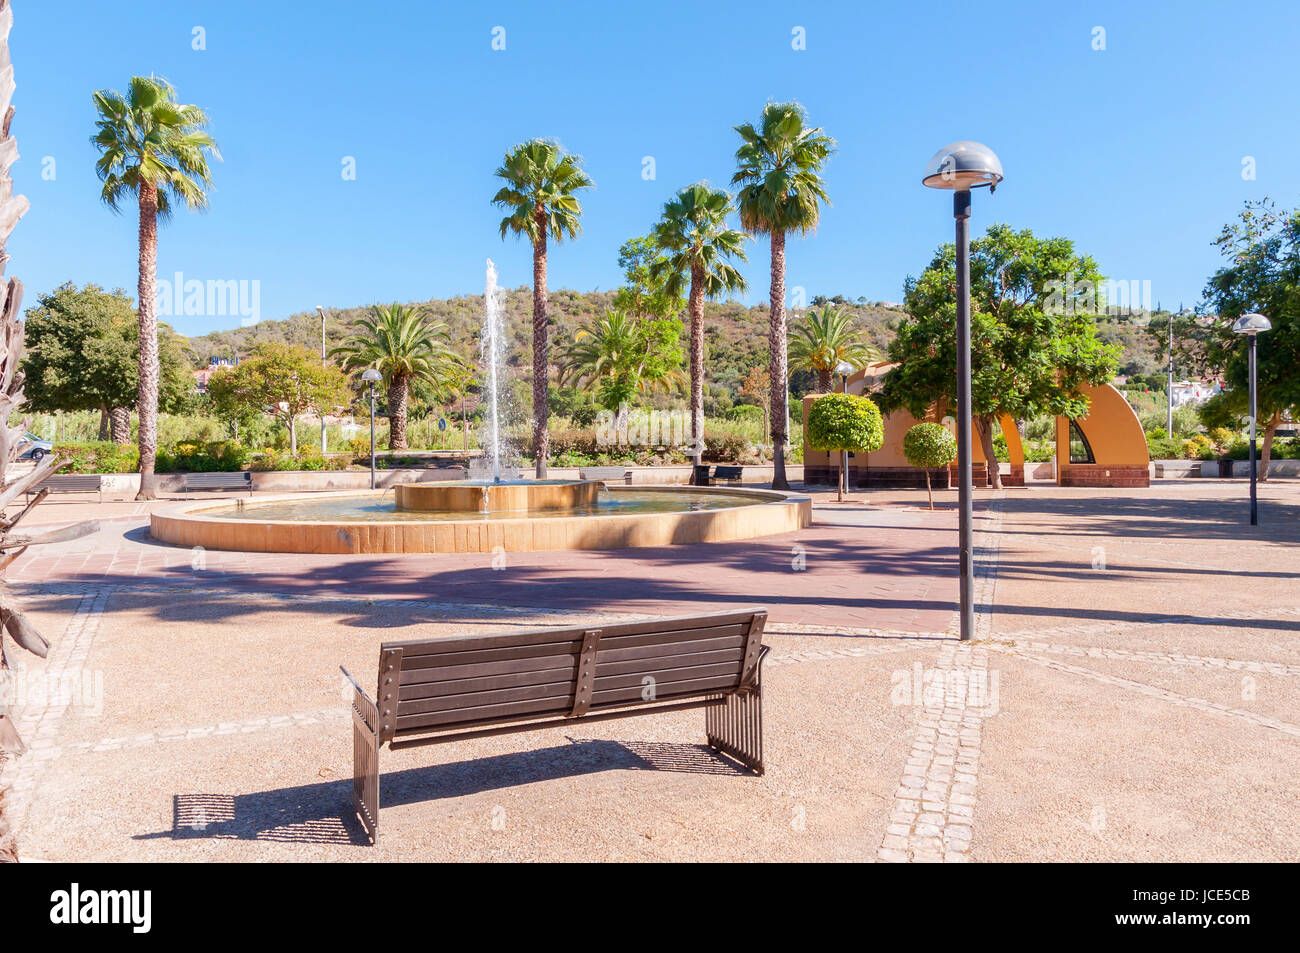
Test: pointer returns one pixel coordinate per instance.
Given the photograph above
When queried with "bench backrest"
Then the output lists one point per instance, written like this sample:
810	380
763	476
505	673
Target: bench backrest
727	473
603	473
445	684
235	478
72	482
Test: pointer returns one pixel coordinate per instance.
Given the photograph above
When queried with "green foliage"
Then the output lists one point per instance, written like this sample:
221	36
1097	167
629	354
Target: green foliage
191	456
81	346
99	456
697	244
778	167
148	137
306	459
619	357
824	339
1029	356
402	342
645	280
929	445
279	379
539	174
838	422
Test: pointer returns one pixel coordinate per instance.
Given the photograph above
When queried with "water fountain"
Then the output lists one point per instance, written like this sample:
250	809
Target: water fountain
494	510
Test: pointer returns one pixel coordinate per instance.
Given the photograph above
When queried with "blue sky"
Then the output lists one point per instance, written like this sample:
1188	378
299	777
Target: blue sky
1134	151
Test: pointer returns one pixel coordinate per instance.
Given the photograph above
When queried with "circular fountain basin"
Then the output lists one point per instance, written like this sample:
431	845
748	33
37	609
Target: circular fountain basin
475	496
370	522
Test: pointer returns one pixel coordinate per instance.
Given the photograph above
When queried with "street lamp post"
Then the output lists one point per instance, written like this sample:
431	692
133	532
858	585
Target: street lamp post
1252	325
322	364
960	167
844	369
372	375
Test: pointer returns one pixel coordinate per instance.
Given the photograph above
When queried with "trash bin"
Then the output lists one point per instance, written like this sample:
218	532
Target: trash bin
700	475
1225	467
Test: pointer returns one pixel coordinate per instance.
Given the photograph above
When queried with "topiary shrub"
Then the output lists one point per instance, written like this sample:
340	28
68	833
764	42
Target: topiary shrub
929	446
844	422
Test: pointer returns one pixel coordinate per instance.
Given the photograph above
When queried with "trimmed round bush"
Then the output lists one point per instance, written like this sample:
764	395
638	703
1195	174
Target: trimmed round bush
838	422
929	445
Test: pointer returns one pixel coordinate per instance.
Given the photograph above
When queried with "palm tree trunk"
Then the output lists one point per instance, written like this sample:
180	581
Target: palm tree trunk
697	362
825	382
984	430
397	391
146	288
541	349
119	419
776	343
103	424
1266	451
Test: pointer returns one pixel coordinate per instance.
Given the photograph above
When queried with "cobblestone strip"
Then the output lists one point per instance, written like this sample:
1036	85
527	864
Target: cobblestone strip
934	806
1152	691
39	726
1155	658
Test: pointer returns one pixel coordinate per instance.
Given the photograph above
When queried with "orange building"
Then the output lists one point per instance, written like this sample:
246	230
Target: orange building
1105	448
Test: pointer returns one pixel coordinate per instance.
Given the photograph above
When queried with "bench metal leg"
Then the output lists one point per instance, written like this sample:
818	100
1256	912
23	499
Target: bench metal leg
735	727
365	762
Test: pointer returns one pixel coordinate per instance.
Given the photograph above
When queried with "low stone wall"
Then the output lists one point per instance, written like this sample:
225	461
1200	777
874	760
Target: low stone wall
1096	474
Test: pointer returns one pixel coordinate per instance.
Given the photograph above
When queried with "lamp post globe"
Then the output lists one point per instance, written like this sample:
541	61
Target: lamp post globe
959	167
1252	325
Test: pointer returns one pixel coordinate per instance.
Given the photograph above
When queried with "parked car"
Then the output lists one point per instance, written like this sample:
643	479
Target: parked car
34	448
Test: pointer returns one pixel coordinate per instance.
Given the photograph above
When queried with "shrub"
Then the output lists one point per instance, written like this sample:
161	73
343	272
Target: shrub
725	446
98	456
190	456
931	445
1164	448
844	422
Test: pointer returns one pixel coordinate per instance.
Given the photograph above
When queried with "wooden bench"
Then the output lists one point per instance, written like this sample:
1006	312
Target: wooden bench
238	480
71	483
606	474
438	690
728	474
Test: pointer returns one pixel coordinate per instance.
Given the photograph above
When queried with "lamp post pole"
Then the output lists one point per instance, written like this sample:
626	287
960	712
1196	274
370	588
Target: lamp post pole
1254	504
1251	325
844	369
960	167
372	435
961	213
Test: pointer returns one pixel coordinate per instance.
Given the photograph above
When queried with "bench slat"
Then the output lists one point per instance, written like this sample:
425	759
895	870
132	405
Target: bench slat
562	691
421	676
676	648
457	686
640	666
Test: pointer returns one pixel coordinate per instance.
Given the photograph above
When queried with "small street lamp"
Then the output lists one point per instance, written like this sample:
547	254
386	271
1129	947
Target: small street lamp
960	167
372	375
1252	325
844	369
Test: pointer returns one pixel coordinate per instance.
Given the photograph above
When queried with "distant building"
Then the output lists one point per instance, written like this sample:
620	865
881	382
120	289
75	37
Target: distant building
1192	392
214	364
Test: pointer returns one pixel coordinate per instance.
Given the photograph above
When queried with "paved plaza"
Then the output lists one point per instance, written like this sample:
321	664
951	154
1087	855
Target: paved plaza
1133	694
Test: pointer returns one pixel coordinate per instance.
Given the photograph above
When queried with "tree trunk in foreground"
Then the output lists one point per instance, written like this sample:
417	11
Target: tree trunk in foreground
984	430
397	391
825	382
776	343
147	396
541	351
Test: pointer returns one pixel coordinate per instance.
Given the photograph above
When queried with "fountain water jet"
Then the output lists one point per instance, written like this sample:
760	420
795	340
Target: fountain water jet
491	354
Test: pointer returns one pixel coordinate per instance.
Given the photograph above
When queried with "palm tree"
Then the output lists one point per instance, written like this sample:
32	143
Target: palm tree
612	353
824	340
693	230
406	347
540	198
156	149
778	166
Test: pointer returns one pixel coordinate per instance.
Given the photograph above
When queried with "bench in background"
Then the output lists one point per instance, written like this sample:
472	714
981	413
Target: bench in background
606	474
728	474
238	480
71	483
438	690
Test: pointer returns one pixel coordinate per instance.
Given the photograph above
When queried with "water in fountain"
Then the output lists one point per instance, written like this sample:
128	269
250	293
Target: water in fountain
492	355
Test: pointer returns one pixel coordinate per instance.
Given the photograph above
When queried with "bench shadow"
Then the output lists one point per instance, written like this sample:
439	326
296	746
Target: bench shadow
322	813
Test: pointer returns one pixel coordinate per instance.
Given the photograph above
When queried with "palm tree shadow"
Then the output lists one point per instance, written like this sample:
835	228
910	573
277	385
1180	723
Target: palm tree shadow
322	813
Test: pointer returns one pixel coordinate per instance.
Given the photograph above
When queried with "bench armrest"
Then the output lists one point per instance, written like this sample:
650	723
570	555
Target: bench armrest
362	703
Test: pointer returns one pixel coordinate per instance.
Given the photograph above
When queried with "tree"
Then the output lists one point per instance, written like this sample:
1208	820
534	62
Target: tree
644	292
778	166
540	199
693	231
1263	275
623	357
929	446
826	338
404	345
1034	342
844	423
757	386
81	355
282	380
155	149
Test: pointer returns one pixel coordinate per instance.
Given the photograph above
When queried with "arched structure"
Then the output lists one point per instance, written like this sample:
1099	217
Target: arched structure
1115	447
